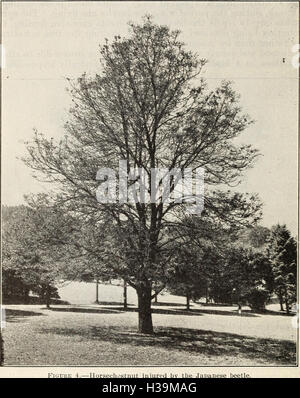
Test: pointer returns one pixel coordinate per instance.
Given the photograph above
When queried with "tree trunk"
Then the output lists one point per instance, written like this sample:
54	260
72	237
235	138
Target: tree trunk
26	295
48	296
287	306
125	295
188	301
97	291
144	309
280	301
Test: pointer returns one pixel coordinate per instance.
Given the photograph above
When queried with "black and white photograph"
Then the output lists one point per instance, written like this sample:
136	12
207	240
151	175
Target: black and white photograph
149	180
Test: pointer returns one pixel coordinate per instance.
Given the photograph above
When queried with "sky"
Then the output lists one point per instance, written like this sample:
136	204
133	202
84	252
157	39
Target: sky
250	44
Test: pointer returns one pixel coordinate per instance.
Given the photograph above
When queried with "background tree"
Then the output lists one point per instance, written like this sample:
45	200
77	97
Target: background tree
282	251
186	276
244	277
13	284
199	247
99	275
255	237
149	107
32	251
158	287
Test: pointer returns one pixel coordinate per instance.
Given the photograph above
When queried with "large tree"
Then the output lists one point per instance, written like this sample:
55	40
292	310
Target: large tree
149	107
282	251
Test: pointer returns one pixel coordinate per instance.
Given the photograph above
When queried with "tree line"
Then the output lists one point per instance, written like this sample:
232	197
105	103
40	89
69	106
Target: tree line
42	247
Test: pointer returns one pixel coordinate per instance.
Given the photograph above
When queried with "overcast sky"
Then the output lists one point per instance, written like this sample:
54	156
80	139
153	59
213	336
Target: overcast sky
250	44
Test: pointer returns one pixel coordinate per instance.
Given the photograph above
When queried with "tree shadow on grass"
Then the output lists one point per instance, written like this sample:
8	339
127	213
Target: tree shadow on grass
191	312
112	303
277	313
161	303
250	312
214	304
19	315
195	342
87	310
245	313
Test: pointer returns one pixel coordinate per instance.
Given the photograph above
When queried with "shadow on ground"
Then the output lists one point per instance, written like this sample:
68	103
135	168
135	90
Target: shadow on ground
112	303
19	315
161	303
214	304
15	315
280	313
193	341
191	312
31	300
87	310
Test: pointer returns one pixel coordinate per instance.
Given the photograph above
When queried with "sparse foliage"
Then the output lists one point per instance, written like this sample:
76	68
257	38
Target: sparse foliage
148	106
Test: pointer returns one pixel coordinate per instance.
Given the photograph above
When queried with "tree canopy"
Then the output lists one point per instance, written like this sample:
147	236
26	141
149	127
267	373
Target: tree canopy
148	106
282	251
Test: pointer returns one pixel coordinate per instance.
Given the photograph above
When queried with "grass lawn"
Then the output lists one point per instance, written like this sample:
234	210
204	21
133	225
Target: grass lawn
106	335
